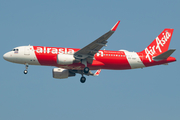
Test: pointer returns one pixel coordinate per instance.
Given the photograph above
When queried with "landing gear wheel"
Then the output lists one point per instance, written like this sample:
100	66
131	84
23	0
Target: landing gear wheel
83	79
26	66
25	71
86	70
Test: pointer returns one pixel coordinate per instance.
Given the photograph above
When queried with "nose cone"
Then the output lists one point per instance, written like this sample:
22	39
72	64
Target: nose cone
6	56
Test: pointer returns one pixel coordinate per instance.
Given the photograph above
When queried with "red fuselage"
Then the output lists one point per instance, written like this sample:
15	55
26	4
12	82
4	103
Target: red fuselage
104	59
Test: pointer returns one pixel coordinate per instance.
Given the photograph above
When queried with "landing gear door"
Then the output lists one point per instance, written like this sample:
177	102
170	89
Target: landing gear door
27	51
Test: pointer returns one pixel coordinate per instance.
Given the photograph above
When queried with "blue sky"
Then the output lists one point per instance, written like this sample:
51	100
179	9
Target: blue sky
140	94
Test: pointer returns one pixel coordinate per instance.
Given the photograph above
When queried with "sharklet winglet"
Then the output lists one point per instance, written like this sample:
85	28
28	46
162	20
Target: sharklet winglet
115	26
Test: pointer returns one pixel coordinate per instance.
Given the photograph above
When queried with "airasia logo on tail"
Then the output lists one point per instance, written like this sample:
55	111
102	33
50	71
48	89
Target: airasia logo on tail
151	50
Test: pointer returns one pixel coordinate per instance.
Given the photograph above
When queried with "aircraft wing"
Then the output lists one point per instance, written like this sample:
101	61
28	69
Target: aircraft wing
90	50
88	74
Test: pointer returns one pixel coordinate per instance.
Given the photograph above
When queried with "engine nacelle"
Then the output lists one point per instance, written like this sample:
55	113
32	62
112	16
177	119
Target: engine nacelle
65	59
60	73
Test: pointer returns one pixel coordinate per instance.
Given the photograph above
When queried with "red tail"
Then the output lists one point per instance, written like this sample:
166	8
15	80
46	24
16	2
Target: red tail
159	45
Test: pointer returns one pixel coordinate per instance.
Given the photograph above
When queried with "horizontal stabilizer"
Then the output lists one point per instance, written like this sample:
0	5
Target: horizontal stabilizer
164	55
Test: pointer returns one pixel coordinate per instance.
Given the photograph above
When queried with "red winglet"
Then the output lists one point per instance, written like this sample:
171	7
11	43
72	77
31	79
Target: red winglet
97	72
115	26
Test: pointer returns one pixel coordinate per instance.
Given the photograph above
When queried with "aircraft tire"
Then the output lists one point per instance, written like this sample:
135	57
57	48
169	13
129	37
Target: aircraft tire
86	70
25	71
83	80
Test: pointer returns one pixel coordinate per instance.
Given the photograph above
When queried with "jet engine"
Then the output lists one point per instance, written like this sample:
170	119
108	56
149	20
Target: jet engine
60	73
65	59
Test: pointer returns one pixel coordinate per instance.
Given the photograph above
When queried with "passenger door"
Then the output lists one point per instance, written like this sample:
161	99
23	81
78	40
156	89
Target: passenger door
27	51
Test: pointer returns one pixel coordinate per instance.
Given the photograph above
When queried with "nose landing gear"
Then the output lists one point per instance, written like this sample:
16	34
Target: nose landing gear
26	71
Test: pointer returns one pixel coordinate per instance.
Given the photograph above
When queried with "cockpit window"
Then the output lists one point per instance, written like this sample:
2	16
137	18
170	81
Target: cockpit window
15	50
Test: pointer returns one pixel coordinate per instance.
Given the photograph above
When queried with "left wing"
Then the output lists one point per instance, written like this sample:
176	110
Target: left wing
90	50
81	72
97	72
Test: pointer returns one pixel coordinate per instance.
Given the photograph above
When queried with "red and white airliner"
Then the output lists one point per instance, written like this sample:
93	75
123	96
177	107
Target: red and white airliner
69	61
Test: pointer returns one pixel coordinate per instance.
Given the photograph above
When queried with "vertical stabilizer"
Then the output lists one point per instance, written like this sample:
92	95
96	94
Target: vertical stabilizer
159	45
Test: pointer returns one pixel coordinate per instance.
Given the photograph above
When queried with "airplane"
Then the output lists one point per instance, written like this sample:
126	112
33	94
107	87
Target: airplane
70	61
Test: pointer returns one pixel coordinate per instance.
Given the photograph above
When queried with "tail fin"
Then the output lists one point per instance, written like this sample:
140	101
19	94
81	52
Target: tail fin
159	45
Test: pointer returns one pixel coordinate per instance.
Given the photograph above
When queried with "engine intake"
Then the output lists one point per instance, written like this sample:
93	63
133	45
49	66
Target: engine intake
65	59
60	73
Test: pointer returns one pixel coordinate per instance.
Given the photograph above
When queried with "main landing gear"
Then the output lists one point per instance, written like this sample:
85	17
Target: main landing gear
26	71
86	71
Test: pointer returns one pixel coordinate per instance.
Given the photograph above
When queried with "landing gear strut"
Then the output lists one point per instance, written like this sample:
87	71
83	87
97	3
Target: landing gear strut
26	71
86	69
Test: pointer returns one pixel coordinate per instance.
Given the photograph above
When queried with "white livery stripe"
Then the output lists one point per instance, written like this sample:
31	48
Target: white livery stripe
134	60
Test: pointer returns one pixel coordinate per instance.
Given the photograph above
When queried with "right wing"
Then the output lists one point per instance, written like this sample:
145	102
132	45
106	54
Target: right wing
90	50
